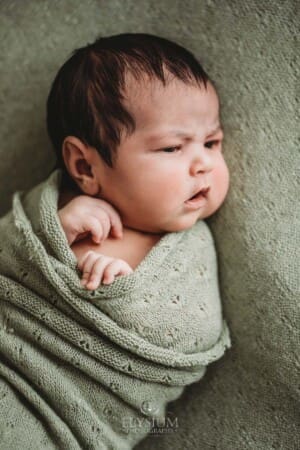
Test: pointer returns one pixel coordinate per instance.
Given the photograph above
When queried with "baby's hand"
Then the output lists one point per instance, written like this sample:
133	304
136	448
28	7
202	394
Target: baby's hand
97	268
84	215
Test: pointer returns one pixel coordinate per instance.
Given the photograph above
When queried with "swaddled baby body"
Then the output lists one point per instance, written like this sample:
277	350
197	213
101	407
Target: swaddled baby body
168	174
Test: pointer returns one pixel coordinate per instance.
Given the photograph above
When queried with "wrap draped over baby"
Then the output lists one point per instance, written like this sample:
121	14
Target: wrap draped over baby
92	369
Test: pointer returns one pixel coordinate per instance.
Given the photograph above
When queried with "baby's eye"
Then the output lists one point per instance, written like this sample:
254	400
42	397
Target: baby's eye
171	149
211	144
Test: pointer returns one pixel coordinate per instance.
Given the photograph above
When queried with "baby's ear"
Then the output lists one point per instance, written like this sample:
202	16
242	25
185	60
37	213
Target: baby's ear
78	159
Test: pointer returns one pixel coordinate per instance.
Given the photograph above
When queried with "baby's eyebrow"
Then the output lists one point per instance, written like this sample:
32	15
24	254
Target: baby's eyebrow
181	133
215	130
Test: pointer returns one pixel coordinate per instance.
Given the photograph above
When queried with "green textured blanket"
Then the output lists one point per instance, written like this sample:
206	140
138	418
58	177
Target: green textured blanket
88	370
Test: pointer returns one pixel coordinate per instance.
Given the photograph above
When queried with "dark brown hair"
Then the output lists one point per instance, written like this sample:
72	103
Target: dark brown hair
85	99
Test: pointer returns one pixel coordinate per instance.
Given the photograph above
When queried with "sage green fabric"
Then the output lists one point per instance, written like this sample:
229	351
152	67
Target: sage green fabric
250	398
87	363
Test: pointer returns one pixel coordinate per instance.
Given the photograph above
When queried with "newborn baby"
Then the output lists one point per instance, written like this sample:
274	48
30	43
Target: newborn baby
135	123
168	173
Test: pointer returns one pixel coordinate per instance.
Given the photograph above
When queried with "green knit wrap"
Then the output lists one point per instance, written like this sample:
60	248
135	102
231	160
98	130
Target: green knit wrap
78	367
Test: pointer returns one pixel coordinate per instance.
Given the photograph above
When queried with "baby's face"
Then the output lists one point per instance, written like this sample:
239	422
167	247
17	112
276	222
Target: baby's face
175	151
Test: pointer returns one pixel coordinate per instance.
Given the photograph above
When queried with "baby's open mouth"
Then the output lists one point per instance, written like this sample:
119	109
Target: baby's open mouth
197	200
202	193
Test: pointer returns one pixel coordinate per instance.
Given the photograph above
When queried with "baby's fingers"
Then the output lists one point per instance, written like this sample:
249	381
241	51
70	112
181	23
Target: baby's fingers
116	267
115	224
96	272
85	264
99	230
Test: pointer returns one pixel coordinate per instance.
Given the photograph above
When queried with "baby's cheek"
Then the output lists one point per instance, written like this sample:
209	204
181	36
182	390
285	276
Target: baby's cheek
164	193
221	181
175	185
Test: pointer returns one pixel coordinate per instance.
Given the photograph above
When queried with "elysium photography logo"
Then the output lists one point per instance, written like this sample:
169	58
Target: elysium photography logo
159	424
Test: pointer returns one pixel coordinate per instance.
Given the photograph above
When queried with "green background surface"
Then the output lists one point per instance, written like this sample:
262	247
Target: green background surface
250	398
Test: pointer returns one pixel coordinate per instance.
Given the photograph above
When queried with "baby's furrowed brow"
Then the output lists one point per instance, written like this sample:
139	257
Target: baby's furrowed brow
181	133
170	133
215	130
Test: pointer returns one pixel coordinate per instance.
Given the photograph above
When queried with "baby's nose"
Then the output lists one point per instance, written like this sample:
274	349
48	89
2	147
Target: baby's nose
202	161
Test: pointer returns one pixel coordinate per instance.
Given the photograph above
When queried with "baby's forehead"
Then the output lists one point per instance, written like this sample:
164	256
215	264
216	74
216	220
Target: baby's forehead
137	87
143	96
153	104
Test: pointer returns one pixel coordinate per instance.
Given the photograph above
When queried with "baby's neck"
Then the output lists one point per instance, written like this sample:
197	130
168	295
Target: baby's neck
67	195
133	247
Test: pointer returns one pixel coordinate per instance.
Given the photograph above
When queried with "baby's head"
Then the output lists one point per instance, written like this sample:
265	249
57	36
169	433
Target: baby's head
134	120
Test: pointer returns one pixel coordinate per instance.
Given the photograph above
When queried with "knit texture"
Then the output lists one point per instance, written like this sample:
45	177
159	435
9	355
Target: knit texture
78	366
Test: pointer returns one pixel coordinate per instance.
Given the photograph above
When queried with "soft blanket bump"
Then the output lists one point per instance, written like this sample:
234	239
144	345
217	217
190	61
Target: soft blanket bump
77	366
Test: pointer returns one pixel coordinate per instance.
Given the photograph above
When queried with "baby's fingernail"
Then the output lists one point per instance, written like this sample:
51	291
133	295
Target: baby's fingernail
83	282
